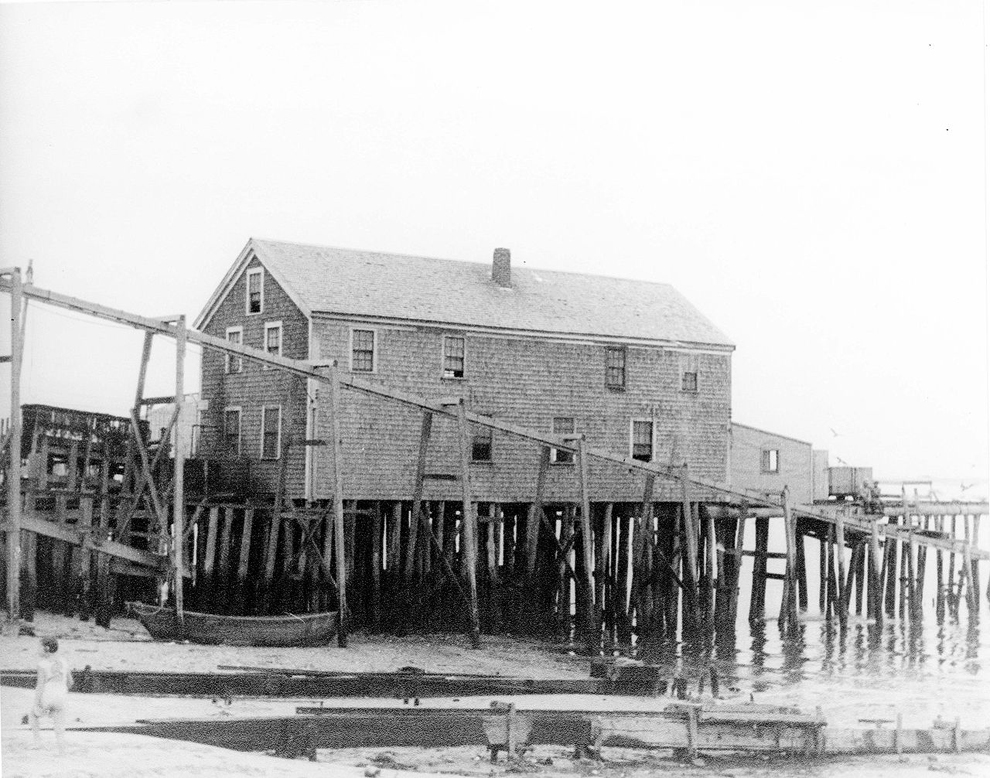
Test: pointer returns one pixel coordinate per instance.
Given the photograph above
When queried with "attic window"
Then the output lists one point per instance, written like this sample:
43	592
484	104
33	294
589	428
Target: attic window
689	381
273	339
453	356
770	460
255	290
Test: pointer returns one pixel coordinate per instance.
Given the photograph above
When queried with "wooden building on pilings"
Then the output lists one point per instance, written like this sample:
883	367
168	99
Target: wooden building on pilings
78	479
628	366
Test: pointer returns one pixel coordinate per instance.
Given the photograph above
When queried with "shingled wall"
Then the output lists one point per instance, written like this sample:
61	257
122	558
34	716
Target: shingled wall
525	381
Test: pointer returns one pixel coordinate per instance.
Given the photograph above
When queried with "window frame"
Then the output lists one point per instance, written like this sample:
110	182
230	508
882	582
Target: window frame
273	325
475	429
240	429
569	457
620	387
770	461
278	432
632	439
697	381
260	272
374	349
443	357
229	358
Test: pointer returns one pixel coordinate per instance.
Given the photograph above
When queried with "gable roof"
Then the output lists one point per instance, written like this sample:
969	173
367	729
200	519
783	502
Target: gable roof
324	280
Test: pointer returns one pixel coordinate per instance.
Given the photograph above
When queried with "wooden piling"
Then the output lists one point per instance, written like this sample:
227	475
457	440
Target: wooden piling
892	581
376	566
840	551
469	543
758	595
534	517
592	616
800	571
242	566
874	591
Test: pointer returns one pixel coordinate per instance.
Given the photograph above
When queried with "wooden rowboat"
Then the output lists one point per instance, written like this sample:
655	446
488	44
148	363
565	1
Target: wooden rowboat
308	629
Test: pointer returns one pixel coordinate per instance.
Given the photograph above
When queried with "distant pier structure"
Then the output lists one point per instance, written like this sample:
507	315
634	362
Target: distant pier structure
425	445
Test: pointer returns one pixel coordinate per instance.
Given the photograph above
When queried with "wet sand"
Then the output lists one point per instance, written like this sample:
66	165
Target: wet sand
843	699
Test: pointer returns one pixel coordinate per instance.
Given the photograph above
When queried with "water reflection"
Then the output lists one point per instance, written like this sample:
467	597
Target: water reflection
894	648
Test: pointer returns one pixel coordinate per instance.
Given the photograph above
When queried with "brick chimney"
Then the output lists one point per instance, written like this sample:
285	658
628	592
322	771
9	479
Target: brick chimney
501	270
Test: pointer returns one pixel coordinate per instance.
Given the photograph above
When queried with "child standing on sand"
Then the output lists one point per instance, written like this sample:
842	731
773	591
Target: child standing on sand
51	691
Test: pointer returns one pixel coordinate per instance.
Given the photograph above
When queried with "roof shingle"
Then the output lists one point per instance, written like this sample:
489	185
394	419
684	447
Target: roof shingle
368	283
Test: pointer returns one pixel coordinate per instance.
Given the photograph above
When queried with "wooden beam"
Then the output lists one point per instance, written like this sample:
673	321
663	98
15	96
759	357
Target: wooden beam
469	545
14	518
179	460
592	616
340	559
309	370
33	522
535	515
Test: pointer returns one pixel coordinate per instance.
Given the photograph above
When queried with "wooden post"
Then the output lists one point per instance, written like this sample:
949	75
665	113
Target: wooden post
758	595
874	594
893	582
712	576
644	617
737	565
242	565
178	492
919	584
85	558
469	540
376	566
842	601
274	525
788	610
691	554
801	571
823	571
417	517
338	510
564	572
14	472
951	583
223	568
939	577
592	617
608	572
211	549
909	578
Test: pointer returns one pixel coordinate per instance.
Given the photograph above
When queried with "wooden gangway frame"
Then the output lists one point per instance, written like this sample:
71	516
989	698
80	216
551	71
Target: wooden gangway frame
174	327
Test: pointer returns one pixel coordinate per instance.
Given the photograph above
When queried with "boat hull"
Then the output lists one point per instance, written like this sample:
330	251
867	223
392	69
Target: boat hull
310	629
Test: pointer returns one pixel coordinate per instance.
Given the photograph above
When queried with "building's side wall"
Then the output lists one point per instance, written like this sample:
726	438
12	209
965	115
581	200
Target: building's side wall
794	459
255	387
820	477
523	381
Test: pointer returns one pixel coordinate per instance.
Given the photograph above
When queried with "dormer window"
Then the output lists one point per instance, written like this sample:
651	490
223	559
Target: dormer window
255	290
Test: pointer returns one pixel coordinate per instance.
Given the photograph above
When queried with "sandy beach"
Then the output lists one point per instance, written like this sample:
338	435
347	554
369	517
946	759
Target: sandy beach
127	647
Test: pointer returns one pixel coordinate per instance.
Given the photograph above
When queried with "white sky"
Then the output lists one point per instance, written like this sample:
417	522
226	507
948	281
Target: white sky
812	176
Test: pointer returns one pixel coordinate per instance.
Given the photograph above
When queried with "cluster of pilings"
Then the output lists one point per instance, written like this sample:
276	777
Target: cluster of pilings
863	576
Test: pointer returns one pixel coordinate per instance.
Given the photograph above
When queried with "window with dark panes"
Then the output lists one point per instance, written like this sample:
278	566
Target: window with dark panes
615	367
562	425
232	431
271	422
453	356
234	364
254	291
770	460
642	440
273	339
481	444
689	381
363	351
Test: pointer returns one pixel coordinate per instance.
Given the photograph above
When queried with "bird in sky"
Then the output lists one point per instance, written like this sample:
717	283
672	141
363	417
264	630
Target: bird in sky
834	433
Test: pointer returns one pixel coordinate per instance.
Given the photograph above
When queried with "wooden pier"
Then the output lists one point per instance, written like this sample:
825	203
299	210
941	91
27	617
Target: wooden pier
659	573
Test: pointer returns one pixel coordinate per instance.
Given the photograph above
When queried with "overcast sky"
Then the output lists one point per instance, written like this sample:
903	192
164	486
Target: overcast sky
812	176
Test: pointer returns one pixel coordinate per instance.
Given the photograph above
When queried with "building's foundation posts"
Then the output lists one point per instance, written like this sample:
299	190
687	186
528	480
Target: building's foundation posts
758	595
952	598
892	582
842	598
800	569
